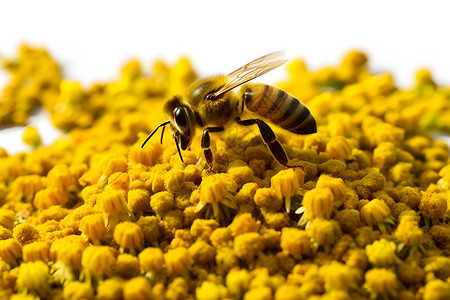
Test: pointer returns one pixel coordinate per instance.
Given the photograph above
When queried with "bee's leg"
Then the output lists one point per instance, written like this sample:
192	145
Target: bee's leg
269	138
206	142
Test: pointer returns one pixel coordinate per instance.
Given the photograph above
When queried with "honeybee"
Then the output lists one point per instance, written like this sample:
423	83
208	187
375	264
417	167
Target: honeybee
211	104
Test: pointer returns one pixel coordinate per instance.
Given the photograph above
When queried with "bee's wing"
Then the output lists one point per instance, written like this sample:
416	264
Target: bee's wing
250	71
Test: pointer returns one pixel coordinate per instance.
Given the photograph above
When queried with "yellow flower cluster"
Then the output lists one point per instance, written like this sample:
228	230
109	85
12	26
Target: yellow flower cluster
95	216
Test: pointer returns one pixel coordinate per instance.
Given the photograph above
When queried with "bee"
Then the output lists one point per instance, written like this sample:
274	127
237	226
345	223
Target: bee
212	103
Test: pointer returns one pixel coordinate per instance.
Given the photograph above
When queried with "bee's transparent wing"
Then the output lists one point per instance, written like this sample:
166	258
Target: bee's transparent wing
250	71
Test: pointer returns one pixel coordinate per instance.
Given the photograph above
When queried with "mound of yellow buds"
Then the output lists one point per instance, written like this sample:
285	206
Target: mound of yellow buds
364	214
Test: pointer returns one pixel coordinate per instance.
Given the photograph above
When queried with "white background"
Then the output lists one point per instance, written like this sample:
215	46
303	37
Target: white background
92	39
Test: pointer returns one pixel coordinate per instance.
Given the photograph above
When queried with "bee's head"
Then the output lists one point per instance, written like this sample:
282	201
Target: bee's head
181	122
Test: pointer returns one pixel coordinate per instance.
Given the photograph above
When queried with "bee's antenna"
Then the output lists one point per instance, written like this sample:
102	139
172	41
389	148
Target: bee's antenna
175	137
162	133
153	132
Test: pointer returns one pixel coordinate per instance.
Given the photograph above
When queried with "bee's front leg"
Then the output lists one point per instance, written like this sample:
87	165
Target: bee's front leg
206	142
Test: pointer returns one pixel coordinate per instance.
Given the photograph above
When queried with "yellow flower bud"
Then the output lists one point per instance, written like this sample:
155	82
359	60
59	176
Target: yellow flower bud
60	177
374	212
177	260
151	260
36	251
7	218
97	259
212	189
296	242
382	253
50	196
323	232
93	226
129	235
35	276
409	232
112	202
137	288
286	182
338	276
10	251
147	155
339	148
381	281
210	291
31	137
78	291
336	185
433	205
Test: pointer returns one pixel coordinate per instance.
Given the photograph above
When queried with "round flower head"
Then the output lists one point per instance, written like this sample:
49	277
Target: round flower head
244	223
60	177
7	218
27	186
409	233
137	288
50	196
339	148
34	276
36	251
286	182
336	185
78	290
381	282
118	181
323	232
382	253
112	202
376	212
338	276
151	260
147	155
93	227
296	242
433	206
111	163
31	137
237	282
210	290
129	235
139	201
96	260
214	195
10	251
110	289
317	203
436	289
177	260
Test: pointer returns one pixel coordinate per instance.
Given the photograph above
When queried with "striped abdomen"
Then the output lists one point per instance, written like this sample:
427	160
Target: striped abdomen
279	107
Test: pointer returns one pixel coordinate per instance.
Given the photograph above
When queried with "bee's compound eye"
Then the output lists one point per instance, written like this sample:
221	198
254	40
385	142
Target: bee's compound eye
180	116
